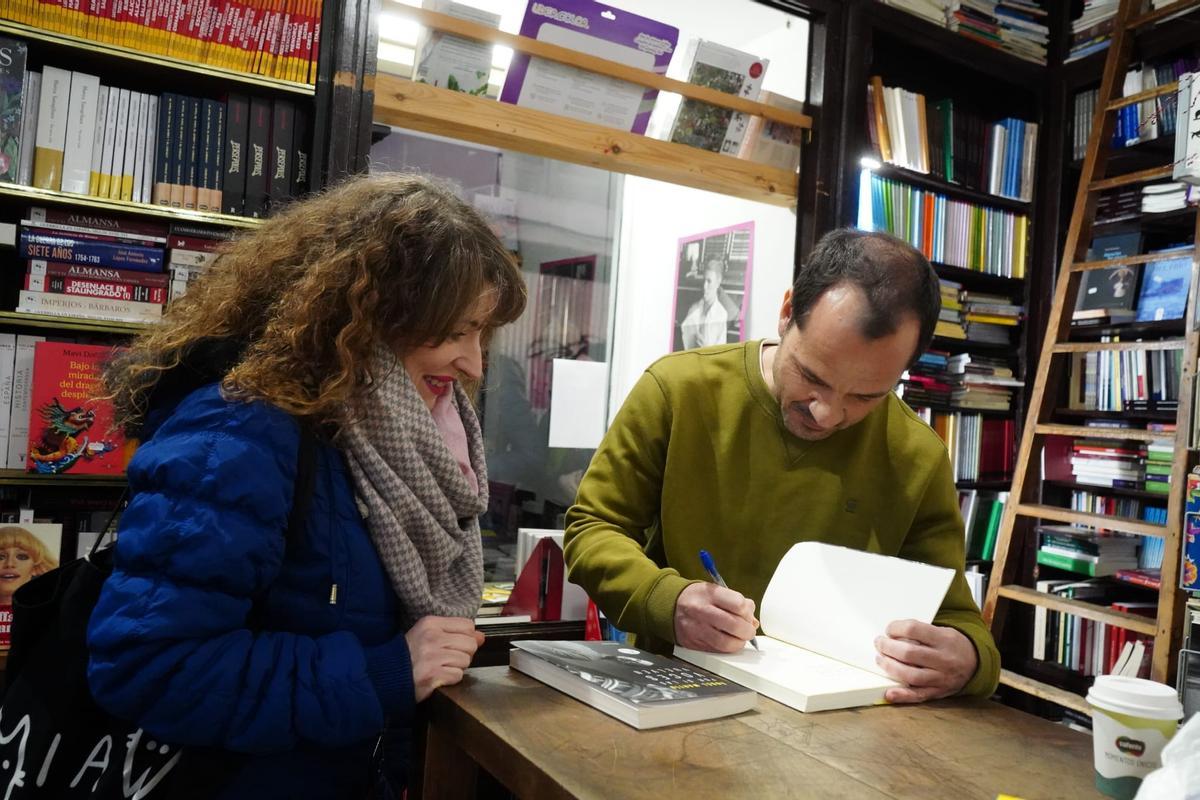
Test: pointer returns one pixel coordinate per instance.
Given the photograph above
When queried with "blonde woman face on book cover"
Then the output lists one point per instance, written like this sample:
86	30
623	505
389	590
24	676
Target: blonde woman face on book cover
826	375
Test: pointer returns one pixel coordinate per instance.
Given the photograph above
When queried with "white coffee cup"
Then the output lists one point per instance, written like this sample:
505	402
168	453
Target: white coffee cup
1132	719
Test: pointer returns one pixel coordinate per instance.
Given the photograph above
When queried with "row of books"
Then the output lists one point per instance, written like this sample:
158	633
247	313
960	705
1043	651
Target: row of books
108	267
980	448
1108	462
981	512
1089	502
1150	292
1092	29
50	419
947	231
1086	646
950	143
260	37
238	155
1124	380
1189	567
1015	26
1086	552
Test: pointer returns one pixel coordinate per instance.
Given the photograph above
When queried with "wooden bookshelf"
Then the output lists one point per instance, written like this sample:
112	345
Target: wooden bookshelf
1133	415
1115	491
30	195
132	58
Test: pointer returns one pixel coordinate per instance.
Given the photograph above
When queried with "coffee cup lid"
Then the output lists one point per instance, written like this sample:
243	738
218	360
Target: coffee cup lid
1135	696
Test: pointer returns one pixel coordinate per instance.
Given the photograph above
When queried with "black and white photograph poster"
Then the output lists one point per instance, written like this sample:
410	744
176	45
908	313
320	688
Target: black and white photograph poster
712	287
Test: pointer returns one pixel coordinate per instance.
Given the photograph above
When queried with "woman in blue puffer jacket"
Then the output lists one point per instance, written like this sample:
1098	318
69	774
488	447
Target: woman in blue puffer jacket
353	317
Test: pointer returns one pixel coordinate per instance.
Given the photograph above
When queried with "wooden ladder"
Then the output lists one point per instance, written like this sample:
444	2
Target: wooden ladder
1021	511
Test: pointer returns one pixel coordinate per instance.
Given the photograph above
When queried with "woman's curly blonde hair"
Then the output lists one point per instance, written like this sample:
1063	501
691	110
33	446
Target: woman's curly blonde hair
390	258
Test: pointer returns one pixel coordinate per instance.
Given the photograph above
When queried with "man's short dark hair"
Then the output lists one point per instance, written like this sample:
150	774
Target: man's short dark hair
895	278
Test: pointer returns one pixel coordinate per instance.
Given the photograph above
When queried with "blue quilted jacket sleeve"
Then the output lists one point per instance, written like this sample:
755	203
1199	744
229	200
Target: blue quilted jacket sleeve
201	538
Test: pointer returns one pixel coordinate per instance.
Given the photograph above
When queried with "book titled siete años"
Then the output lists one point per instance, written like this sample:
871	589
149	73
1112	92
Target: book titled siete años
638	688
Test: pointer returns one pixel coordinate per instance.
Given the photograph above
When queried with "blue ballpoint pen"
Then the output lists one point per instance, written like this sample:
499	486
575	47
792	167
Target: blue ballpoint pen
711	568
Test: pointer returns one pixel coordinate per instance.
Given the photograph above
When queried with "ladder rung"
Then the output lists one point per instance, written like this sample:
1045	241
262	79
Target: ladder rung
1119	619
1149	18
1148	94
1124	524
1145	258
1045	691
1103	347
1087	432
1152	174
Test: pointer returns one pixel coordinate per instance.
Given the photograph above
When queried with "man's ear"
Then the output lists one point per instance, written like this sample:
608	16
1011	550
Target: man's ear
785	313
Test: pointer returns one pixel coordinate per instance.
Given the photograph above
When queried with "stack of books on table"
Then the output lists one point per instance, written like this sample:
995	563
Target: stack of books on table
1016	26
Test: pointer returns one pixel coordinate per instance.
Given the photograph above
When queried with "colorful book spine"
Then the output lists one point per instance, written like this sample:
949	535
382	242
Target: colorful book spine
41	270
65	305
103	254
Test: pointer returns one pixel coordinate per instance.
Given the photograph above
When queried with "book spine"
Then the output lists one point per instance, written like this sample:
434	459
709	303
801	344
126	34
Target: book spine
125	190
141	133
279	183
118	145
191	152
217	158
150	156
179	158
233	190
12	73
65	305
80	133
208	123
104	183
301	153
88	234
22	392
51	128
8	353
40	269
191	258
73	251
98	142
258	140
164	151
128	227
84	287
29	117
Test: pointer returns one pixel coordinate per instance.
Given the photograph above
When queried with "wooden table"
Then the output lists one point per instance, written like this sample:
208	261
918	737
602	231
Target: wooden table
542	744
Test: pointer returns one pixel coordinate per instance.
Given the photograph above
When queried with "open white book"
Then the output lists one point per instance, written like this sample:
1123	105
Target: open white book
821	613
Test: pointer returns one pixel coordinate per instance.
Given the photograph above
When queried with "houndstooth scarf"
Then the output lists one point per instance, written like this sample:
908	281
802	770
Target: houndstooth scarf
422	513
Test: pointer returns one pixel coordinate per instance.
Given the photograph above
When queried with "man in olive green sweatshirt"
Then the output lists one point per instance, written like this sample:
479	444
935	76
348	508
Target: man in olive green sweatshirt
745	449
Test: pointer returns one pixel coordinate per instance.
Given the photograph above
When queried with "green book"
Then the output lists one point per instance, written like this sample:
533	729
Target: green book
1078	566
989	542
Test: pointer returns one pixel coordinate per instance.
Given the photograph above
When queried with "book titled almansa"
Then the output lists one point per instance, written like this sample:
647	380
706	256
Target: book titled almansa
821	613
639	688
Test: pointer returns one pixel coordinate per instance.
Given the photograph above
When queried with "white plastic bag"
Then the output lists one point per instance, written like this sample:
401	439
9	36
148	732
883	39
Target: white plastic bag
1179	776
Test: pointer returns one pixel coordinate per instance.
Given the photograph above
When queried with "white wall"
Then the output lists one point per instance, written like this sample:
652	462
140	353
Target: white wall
655	215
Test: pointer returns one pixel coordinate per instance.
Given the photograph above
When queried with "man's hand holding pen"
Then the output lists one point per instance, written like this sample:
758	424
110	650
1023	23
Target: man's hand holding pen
713	618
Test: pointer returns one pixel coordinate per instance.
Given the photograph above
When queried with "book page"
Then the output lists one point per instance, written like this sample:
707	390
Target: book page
835	601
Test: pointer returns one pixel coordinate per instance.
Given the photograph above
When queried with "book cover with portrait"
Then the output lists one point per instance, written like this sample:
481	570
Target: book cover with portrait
27	550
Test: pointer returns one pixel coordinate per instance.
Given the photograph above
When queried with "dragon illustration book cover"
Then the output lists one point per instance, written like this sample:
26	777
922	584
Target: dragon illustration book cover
70	430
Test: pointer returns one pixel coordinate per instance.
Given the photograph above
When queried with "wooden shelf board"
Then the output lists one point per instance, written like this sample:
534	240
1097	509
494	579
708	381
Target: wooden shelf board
33	196
418	106
967	346
1045	691
24	319
982	281
930	183
1148	94
16	477
1144	258
996	485
1120	619
1158	15
1125	524
1141	176
1118	491
1147	415
601	66
152	59
1133	330
1108	347
1083	431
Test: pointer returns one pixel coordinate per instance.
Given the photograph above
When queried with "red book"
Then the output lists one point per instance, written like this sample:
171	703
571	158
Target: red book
70	431
111	224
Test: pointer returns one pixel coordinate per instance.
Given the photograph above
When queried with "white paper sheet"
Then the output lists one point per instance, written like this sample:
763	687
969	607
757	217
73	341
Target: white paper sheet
577	403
